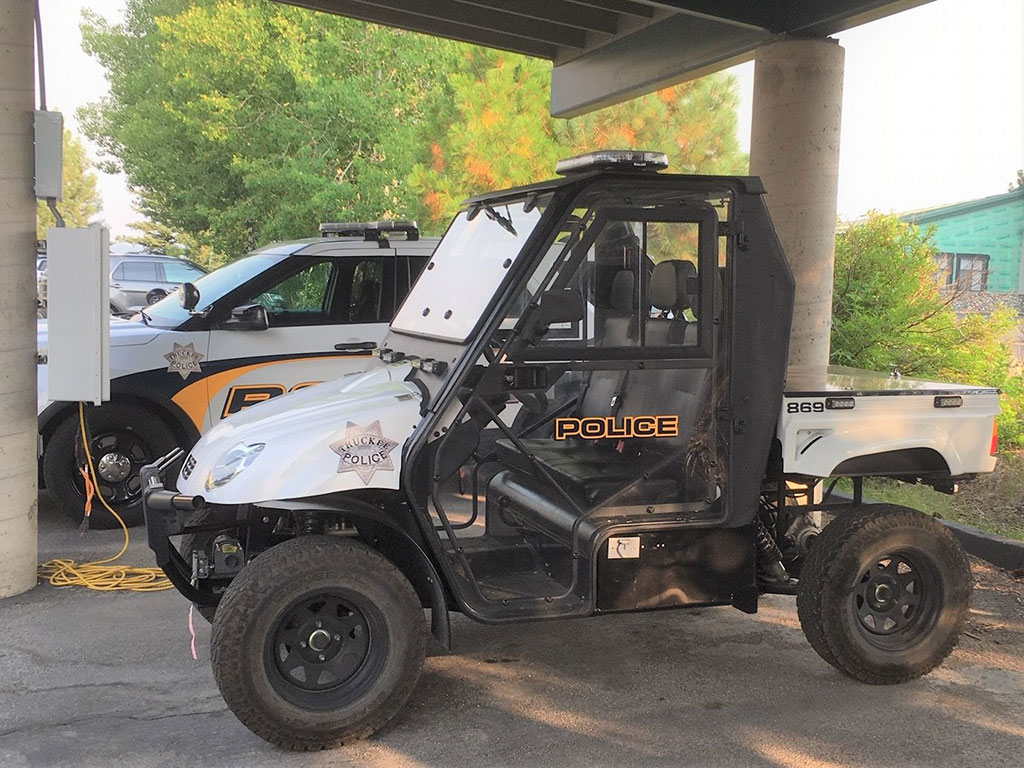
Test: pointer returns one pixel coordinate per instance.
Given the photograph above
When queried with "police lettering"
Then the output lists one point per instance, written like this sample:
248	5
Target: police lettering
620	428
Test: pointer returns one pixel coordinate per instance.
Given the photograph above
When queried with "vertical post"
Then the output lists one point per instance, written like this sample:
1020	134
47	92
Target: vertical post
794	148
17	302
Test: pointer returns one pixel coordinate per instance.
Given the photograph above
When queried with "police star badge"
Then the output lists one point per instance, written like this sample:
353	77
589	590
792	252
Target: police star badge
183	359
364	450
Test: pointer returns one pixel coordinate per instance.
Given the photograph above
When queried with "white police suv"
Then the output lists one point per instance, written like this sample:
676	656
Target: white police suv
284	317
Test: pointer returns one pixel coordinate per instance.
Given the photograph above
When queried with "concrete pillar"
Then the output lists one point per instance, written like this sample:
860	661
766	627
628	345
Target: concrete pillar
794	148
17	302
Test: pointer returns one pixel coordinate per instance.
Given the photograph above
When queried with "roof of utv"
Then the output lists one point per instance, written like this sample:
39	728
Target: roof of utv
746	184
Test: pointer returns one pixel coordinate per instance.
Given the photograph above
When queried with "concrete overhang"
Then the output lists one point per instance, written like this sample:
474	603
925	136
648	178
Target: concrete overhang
606	51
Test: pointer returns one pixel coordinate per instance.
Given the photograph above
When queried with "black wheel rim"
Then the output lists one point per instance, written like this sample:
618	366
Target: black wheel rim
896	599
326	649
118	456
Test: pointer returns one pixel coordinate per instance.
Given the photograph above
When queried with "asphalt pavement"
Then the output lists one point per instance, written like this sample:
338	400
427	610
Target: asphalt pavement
98	680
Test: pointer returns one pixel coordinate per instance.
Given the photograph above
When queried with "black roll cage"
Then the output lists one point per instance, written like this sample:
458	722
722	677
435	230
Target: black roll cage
743	192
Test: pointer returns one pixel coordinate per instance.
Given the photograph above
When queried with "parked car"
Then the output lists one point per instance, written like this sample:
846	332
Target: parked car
41	291
140	279
283	318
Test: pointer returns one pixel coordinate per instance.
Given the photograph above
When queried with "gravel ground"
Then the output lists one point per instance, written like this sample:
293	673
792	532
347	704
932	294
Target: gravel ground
98	680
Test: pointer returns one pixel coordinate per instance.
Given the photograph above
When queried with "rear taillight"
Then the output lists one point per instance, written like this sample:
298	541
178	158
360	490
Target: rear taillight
995	438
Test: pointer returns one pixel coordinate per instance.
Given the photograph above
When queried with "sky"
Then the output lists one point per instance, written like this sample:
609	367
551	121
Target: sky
933	103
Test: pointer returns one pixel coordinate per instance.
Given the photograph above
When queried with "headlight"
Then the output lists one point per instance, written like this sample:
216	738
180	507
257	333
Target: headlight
232	464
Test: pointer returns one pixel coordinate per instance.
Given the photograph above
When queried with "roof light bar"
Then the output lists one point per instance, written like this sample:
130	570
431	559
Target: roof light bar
370	230
613	159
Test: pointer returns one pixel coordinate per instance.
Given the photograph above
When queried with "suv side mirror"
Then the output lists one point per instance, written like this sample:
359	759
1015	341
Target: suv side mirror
188	296
248	317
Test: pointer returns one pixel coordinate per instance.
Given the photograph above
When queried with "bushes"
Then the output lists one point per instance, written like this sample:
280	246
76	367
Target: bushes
888	312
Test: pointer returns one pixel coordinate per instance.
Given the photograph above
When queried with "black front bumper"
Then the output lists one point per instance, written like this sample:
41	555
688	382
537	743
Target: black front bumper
166	514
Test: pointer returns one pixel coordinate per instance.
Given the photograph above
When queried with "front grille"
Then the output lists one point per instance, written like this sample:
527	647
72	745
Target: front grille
190	464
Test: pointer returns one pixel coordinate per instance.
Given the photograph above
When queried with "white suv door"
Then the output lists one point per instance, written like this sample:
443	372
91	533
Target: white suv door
326	317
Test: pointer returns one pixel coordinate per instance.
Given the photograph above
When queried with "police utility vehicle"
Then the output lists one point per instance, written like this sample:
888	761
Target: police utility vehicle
287	316
579	409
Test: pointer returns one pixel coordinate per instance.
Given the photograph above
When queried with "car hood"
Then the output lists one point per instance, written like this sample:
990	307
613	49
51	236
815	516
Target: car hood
123	333
341	435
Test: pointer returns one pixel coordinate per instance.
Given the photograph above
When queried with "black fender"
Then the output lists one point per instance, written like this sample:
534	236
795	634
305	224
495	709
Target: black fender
378	530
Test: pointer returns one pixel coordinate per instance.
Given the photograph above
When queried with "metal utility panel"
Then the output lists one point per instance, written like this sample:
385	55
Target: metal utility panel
78	310
49	136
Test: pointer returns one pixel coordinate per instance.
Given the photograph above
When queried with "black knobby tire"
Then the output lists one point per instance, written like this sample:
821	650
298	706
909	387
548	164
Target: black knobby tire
143	436
884	594
253	642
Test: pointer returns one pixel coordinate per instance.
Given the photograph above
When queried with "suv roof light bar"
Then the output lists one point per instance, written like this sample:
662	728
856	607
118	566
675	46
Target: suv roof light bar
614	160
373	231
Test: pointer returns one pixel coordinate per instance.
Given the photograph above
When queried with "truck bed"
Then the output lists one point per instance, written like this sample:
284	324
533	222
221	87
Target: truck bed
868	423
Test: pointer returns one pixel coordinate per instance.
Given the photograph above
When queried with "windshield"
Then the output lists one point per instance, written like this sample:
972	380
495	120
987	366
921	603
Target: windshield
466	270
168	313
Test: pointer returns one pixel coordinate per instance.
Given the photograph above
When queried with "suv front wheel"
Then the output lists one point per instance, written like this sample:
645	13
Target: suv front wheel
123	439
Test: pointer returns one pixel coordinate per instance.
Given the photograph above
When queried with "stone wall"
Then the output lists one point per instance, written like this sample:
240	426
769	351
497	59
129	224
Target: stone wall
984	303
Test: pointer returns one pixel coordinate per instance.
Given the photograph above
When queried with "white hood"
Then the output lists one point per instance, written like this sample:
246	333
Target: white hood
123	333
341	435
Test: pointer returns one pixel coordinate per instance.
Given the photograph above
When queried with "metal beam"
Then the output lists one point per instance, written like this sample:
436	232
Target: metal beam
372	12
557	11
641	10
768	15
819	18
667	52
541	30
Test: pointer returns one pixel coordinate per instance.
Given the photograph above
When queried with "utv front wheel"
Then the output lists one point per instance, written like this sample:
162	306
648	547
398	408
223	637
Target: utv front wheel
318	642
884	594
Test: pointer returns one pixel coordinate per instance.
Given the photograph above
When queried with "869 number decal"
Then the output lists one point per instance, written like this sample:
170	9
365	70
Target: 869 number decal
817	406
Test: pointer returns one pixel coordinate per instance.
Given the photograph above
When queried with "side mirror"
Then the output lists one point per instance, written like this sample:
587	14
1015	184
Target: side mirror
248	317
188	296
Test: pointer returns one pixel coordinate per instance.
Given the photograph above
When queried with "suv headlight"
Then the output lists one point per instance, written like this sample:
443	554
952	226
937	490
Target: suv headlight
232	464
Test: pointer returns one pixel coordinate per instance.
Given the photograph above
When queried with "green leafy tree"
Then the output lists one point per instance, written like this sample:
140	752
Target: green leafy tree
497	130
888	311
81	200
155	237
492	130
237	120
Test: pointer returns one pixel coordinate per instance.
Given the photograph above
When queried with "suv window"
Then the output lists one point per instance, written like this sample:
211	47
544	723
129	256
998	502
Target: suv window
299	298
140	271
181	272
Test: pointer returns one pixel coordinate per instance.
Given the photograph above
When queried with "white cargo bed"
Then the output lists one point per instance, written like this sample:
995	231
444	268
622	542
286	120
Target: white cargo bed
866	423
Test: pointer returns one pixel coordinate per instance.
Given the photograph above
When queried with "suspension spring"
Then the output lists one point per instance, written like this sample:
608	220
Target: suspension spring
309	525
769	554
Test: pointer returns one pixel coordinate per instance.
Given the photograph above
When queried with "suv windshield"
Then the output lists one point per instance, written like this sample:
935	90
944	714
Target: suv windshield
467	269
168	313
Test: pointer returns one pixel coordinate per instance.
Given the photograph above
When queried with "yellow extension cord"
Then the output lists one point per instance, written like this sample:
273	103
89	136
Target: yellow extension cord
101	575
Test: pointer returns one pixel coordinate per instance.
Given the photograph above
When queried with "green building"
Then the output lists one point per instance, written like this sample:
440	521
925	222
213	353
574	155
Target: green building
981	251
981	242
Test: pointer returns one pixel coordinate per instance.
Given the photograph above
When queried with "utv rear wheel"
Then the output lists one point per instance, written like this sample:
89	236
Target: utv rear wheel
318	642
884	594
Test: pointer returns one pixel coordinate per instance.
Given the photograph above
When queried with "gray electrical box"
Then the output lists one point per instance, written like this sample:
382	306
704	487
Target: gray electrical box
78	314
49	133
